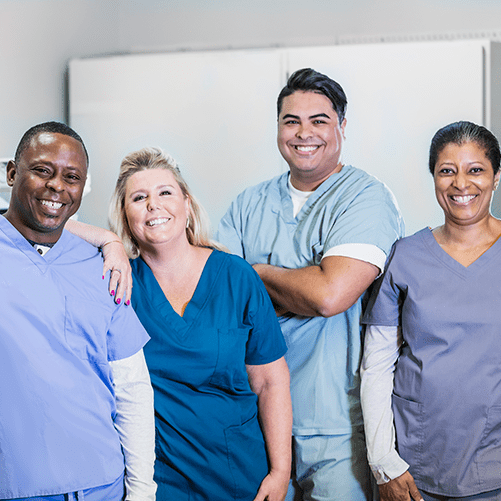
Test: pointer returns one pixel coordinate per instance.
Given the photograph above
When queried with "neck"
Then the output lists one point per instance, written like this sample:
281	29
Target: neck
488	229
305	181
167	258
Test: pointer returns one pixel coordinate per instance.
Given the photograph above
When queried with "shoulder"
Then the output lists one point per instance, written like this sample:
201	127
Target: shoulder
233	265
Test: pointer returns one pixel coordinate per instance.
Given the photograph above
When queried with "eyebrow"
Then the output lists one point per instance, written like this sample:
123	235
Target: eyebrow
312	117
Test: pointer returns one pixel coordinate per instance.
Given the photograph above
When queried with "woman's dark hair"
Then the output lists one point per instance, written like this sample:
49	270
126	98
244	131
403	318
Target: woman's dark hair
308	80
465	132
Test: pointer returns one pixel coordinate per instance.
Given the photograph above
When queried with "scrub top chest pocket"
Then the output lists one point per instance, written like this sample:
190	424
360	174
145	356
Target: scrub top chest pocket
85	328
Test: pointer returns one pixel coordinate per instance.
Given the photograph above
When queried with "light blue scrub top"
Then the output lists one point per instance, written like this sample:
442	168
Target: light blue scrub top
323	353
59	328
210	446
447	389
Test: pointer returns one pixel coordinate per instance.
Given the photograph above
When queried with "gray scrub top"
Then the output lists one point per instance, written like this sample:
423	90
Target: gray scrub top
447	389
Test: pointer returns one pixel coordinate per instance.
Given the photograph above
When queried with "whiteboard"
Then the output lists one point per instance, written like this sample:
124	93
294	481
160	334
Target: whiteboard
215	112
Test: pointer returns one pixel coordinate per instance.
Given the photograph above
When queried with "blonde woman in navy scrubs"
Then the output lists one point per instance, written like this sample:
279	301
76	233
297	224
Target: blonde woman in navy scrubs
222	399
431	374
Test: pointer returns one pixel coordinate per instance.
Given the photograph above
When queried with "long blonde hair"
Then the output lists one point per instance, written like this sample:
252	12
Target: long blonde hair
198	229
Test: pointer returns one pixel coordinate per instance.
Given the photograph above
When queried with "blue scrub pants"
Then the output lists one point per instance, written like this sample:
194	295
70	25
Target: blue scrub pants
484	496
111	492
330	468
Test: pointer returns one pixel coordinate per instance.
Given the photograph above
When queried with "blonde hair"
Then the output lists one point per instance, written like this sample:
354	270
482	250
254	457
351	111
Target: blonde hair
198	229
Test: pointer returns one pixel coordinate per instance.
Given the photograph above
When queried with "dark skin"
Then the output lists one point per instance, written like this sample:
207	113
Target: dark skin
47	186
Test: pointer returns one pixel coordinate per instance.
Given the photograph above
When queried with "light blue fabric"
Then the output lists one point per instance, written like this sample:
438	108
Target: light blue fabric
59	328
323	353
210	446
447	389
330	468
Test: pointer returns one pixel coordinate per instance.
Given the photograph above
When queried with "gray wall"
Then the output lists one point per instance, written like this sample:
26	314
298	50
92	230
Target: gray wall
38	37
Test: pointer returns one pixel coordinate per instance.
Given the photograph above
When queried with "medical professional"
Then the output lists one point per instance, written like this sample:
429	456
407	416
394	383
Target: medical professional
76	413
431	373
222	398
318	235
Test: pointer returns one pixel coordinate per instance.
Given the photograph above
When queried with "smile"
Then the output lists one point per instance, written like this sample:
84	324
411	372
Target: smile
52	205
306	148
155	222
463	199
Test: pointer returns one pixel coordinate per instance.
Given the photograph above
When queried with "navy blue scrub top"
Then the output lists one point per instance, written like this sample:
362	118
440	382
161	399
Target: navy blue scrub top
209	442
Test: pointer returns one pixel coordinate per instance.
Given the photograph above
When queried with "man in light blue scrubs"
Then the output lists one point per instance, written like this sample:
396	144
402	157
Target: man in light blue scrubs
318	236
76	412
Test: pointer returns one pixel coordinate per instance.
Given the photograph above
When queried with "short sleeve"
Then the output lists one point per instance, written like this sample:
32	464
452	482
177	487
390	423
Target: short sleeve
386	298
229	230
126	335
372	217
266	342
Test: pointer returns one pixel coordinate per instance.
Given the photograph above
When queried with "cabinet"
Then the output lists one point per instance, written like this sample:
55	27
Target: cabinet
215	112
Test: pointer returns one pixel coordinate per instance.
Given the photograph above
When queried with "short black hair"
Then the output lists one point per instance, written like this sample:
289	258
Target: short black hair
309	80
465	132
51	127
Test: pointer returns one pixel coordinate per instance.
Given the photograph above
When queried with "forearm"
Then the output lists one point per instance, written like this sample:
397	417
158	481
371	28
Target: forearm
92	234
275	414
381	351
324	290
135	424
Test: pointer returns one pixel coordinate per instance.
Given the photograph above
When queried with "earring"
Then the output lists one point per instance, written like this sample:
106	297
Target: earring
496	186
188	222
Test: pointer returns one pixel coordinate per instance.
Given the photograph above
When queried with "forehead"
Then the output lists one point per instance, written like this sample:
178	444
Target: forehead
471	149
150	178
307	103
55	148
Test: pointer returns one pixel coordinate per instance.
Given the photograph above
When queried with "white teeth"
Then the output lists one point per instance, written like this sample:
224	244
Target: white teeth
52	205
464	199
306	148
157	221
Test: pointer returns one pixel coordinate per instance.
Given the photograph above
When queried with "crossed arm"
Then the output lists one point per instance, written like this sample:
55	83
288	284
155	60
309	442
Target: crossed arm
324	290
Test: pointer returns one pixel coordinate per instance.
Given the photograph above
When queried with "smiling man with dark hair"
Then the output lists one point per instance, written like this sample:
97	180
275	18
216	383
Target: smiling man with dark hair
318	236
76	400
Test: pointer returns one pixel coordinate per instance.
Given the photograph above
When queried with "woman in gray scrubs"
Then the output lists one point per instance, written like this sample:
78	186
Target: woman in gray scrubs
431	373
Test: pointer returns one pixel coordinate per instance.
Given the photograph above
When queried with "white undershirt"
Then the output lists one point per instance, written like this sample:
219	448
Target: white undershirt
381	350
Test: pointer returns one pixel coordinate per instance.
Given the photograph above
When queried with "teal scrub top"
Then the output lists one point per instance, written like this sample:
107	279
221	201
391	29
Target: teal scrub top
209	442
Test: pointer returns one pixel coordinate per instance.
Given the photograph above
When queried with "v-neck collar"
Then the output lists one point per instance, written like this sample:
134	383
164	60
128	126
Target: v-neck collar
287	209
195	306
28	250
451	263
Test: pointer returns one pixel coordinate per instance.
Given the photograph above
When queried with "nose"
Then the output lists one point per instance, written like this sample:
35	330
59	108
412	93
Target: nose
152	204
55	183
304	131
461	181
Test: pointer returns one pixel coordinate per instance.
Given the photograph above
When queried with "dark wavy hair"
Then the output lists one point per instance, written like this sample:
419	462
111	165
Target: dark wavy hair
308	80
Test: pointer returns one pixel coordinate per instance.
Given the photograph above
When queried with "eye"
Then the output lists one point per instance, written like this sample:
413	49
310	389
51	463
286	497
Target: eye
165	192
72	178
41	169
445	171
291	122
138	198
318	121
476	170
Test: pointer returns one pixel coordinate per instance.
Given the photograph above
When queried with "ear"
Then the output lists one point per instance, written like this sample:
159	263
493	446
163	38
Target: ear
343	125
11	172
496	180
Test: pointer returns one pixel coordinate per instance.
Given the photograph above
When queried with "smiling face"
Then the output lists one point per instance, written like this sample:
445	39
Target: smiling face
464	183
47	186
156	208
310	138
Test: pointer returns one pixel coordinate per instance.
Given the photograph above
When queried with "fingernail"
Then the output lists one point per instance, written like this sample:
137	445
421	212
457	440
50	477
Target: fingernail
118	301
112	292
127	302
103	277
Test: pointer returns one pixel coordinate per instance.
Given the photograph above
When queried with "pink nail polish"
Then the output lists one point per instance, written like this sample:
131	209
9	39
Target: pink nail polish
128	302
118	301
112	293
103	277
